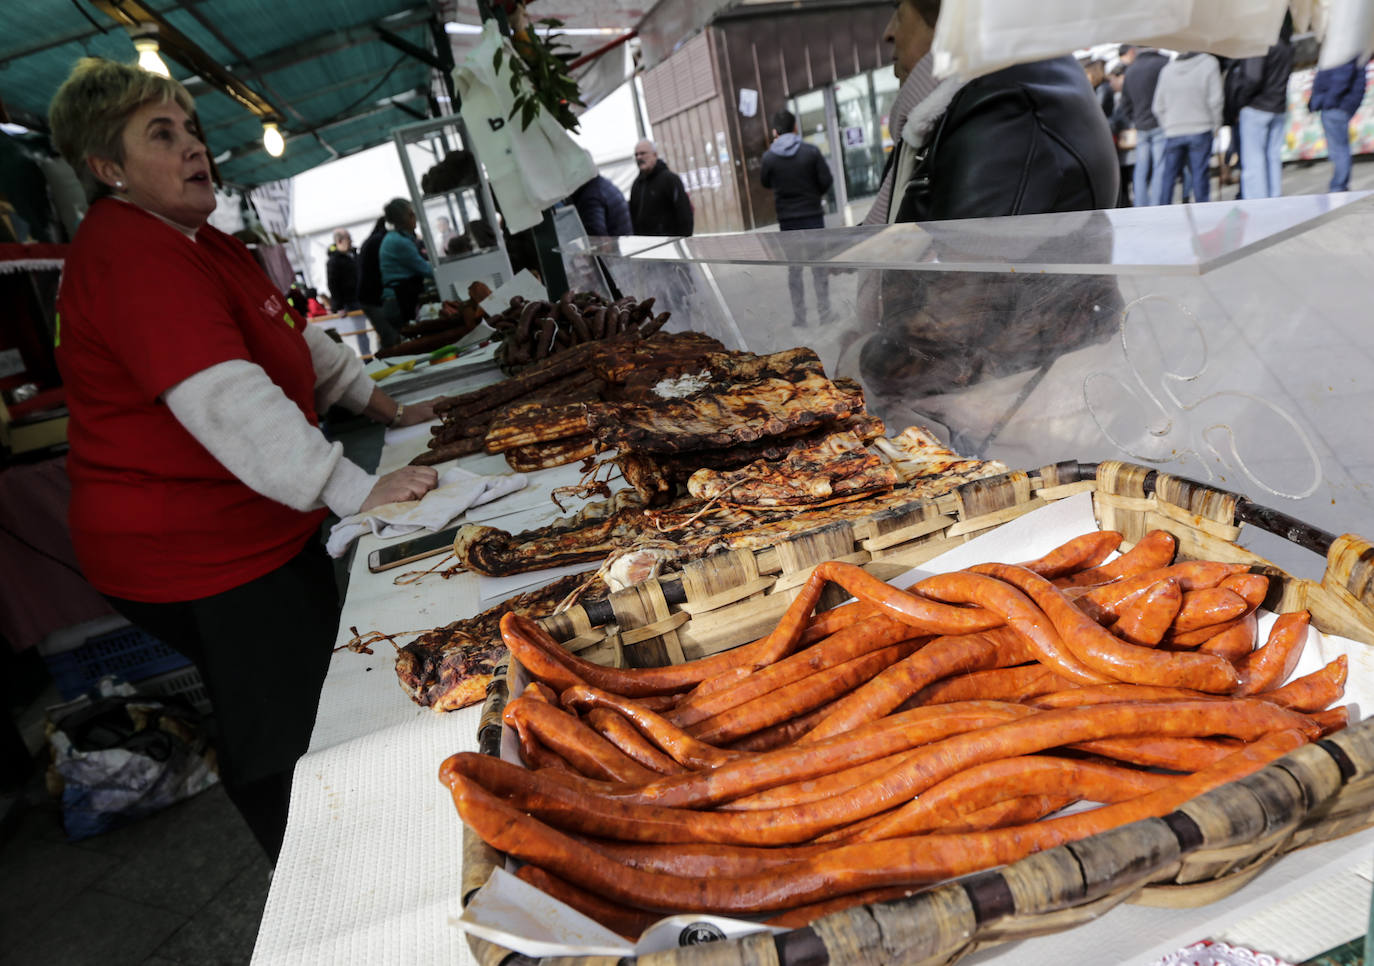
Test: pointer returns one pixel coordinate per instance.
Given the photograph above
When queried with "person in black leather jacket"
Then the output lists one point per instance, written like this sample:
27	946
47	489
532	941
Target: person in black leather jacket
1028	139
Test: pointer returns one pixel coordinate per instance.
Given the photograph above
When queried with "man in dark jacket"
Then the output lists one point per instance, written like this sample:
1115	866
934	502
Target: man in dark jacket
798	176
1338	92
1263	102
602	209
1137	96
341	273
658	202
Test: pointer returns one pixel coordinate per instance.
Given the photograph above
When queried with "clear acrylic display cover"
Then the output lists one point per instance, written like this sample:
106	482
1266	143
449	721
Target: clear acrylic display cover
1230	342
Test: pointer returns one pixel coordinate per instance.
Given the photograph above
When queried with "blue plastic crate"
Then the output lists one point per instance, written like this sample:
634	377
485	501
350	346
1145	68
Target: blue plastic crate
128	653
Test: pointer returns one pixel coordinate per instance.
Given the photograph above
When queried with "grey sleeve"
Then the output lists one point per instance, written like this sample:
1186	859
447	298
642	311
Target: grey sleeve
244	419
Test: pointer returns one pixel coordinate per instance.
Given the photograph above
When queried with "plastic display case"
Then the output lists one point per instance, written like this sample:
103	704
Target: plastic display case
446	181
1227	342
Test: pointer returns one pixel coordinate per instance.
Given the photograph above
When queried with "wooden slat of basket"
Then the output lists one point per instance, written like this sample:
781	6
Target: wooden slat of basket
928	929
1120	480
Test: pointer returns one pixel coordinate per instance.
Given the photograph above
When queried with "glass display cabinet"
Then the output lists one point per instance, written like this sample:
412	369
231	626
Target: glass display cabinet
1229	342
453	205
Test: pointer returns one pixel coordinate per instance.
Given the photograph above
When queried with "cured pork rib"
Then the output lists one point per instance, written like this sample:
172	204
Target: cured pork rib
529	423
450	667
836	467
558	452
769	407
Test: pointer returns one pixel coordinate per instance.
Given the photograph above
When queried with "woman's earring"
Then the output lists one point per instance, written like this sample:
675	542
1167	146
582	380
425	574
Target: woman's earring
119	185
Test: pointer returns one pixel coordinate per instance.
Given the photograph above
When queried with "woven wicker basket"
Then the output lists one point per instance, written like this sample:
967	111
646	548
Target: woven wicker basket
1207	849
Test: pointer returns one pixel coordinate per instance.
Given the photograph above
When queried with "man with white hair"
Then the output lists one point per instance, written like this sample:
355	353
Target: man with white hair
658	202
341	272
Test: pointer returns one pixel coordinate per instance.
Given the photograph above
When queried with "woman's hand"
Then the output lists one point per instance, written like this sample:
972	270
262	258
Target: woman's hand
416	413
407	483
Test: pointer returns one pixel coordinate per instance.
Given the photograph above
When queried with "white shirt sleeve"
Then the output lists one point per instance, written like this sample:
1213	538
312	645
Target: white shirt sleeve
339	374
243	418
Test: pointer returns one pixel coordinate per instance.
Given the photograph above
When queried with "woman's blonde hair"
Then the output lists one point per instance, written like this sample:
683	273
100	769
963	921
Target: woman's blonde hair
88	113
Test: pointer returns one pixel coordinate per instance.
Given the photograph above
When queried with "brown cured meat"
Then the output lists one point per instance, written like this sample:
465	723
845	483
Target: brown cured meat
530	423
918	454
622	523
450	667
443	452
770	407
616	360
838	466
588	535
542	456
657	477
507	390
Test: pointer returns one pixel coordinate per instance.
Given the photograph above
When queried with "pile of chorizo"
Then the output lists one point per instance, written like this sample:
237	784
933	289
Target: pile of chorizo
901	739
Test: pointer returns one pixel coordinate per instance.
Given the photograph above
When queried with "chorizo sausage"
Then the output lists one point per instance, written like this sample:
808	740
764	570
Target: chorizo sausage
941	658
844	869
1206	608
1315	691
1190	574
855	640
616	729
583	748
1175	754
996	781
1153	551
998	684
1233	642
1146	619
930	616
1114	694
1020	613
816	690
607	816
1080	553
520	631
621	919
1266	668
1108	655
682	747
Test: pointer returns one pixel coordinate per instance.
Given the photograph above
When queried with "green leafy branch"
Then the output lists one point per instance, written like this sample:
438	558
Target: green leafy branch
539	75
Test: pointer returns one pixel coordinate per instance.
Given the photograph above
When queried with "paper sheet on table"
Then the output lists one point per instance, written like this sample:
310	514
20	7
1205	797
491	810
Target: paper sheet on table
1026	538
513	914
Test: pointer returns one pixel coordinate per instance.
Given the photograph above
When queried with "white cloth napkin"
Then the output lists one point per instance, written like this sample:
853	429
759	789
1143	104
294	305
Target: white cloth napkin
457	490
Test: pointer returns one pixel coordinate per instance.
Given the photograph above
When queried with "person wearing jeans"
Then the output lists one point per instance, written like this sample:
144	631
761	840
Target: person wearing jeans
1192	154
1337	93
1261	153
1187	103
1263	98
1149	163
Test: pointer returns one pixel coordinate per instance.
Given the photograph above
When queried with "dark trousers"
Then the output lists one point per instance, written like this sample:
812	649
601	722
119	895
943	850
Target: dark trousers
1193	151
387	334
262	650
820	280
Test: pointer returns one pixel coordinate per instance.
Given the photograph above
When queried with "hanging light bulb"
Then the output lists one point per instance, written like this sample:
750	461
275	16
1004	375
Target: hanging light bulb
148	58
272	141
